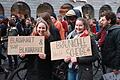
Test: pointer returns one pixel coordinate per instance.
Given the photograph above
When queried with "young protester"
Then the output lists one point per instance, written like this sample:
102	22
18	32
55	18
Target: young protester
53	30
39	66
56	36
80	68
110	49
58	25
12	31
64	23
28	26
19	24
71	17
92	24
3	31
118	18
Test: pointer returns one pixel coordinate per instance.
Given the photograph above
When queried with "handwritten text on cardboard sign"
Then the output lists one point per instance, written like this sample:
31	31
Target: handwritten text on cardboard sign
25	44
72	47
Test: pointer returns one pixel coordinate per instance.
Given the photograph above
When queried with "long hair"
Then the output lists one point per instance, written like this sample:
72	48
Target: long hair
85	23
35	33
47	18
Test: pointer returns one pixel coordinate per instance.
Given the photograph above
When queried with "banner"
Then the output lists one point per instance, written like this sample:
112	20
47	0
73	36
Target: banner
25	44
72	47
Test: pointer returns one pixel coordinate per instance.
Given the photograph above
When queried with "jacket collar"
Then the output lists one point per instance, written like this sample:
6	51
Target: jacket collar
113	27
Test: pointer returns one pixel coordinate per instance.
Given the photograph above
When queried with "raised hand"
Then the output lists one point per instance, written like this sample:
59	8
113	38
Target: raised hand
42	55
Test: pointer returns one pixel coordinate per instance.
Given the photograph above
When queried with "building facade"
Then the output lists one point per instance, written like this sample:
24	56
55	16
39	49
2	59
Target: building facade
34	7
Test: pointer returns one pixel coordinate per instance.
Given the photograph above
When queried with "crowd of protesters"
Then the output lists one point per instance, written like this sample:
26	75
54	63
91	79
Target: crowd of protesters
105	39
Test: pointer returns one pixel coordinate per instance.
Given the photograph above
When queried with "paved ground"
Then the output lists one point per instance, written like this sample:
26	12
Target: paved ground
2	75
5	65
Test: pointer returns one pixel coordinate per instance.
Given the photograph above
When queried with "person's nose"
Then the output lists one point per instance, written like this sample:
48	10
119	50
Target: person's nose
40	29
100	20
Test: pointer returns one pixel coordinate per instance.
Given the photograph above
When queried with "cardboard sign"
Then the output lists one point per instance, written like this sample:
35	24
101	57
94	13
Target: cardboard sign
25	44
111	76
72	47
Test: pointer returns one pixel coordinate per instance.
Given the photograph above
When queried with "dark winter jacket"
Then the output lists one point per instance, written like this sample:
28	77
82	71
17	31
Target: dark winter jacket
89	59
40	69
19	27
3	30
111	48
85	71
12	31
28	30
55	33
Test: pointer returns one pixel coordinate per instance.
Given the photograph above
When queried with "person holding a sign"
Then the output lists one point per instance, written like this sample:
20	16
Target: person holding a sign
80	68
53	30
56	36
39	66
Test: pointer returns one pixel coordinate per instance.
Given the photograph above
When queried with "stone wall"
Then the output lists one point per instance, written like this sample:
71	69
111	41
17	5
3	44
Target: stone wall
33	4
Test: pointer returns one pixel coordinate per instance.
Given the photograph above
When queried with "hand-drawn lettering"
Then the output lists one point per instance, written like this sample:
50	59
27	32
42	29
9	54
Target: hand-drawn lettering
72	47
25	44
41	42
30	49
12	40
13	46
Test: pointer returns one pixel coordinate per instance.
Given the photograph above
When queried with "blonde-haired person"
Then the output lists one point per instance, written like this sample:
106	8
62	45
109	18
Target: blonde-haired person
45	33
80	68
39	66
56	36
53	30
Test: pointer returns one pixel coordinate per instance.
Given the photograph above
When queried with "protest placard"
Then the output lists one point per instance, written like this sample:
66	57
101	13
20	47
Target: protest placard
25	44
72	47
